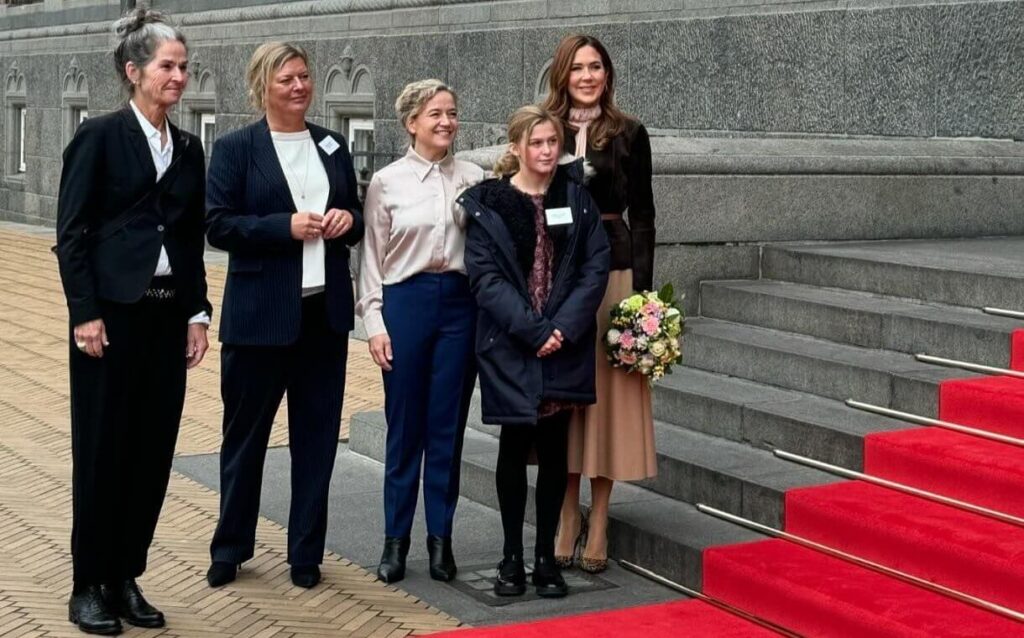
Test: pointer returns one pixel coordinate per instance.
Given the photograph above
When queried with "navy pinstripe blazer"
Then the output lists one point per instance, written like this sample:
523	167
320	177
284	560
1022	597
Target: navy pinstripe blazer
248	214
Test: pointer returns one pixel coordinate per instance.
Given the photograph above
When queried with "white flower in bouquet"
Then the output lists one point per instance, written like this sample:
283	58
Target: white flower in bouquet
613	337
658	348
646	364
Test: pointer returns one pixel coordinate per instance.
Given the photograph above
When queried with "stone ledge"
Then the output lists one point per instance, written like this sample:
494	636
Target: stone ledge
820	156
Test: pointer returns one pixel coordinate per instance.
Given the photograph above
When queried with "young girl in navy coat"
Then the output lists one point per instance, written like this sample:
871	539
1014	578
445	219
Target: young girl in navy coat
537	259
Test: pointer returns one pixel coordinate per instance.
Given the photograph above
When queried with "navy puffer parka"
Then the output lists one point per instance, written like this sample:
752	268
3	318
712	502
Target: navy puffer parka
500	239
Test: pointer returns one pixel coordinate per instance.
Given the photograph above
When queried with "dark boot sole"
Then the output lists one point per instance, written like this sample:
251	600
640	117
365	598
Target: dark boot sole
389	580
145	624
112	631
442	576
509	590
550	592
220	582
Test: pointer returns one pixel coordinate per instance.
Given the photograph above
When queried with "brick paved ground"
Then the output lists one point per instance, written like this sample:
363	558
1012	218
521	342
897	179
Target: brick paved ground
35	495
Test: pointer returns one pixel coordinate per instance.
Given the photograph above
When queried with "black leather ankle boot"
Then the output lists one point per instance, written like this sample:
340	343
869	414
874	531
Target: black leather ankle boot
442	561
126	600
392	560
88	609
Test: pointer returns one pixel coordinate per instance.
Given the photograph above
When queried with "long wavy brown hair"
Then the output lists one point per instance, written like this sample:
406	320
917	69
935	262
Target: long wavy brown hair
558	101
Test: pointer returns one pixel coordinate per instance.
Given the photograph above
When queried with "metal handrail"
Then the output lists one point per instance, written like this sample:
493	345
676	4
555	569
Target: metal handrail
1003	312
923	420
967	365
981	603
900	487
711	600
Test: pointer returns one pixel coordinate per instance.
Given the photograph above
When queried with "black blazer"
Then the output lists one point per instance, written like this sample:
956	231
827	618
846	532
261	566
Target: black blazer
248	214
113	216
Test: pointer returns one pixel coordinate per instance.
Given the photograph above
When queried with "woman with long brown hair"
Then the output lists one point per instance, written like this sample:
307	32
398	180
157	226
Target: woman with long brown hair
612	440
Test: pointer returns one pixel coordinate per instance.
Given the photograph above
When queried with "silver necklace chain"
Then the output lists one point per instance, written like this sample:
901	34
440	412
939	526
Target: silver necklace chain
305	172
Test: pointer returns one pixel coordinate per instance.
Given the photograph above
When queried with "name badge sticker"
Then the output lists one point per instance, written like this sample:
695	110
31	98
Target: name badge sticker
559	216
329	145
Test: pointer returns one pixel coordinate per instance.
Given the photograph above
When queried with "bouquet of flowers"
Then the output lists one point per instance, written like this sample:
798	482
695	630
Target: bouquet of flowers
644	333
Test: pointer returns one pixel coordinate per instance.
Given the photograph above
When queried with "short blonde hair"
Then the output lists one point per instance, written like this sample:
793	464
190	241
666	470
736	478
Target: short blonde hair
415	96
267	59
520	126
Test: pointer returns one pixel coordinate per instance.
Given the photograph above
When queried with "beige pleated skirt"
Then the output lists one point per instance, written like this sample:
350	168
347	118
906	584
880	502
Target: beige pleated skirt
614	438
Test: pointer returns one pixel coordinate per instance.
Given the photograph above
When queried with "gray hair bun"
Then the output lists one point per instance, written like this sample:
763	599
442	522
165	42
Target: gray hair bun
135	19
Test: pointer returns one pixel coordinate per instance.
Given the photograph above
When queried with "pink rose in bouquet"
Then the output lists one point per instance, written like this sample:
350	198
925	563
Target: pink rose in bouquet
651	325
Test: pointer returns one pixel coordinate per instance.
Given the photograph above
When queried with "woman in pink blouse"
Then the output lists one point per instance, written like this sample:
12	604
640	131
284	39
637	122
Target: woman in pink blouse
419	313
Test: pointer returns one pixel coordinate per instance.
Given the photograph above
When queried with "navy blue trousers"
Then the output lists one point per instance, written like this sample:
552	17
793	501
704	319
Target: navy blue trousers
430	319
253	382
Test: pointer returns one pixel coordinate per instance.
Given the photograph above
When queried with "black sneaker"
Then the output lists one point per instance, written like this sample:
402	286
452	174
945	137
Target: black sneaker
547	578
511	577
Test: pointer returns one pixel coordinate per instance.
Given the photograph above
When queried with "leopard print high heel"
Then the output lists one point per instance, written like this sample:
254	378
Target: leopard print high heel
567	562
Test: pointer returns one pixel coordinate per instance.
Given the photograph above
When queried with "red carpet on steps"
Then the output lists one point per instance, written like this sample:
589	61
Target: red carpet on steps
995	404
817	595
688	618
973	554
1017	350
957	465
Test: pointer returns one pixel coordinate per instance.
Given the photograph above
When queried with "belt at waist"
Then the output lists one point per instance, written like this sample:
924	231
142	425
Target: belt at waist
160	288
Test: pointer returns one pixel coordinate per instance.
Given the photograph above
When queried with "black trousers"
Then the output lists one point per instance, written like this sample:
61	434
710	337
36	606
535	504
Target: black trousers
125	412
550	438
253	382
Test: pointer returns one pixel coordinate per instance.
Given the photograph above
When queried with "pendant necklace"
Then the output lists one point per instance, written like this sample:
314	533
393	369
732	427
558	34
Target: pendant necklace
305	171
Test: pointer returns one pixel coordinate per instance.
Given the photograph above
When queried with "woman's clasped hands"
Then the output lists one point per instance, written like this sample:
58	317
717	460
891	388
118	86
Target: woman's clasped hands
333	224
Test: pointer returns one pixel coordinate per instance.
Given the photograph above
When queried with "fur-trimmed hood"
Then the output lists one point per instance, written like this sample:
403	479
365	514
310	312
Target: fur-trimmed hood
516	209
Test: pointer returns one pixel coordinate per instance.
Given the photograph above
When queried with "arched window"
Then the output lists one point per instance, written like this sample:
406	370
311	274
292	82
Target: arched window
540	90
199	105
348	105
15	99
74	100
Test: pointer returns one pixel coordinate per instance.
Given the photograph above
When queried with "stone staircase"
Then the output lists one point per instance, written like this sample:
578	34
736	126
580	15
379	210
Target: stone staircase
768	364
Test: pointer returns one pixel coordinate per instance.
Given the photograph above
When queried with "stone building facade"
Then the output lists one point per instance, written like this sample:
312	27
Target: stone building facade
774	120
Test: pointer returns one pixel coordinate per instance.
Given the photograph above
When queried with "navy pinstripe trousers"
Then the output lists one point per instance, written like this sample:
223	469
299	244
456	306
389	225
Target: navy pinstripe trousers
253	382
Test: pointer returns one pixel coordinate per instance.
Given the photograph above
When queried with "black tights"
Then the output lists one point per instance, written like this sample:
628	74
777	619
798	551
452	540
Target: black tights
550	437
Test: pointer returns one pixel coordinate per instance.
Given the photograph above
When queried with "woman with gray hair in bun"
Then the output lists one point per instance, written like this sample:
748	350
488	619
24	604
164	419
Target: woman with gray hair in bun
130	248
419	313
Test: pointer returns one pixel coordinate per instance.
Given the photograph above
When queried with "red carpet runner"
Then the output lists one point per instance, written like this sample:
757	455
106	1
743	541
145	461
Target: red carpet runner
814	594
690	619
817	595
1017	350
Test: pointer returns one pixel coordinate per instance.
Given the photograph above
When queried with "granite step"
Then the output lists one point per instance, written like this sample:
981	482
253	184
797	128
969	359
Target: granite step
731	476
863	319
697	465
815	366
649	529
966	272
767	417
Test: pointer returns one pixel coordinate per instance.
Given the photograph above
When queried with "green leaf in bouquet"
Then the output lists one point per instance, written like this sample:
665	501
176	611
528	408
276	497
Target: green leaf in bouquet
667	293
